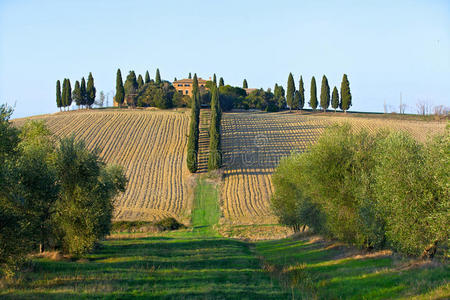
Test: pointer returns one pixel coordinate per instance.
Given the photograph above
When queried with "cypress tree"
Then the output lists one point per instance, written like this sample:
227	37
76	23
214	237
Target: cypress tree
324	94
147	77
301	91
244	84
221	82
190	76
131	87
69	94
335	99
83	92
174	79
77	94
215	79
192	160
296	101
64	93
157	77
140	81
58	95
290	91
90	91
120	91
346	96
313	100
215	154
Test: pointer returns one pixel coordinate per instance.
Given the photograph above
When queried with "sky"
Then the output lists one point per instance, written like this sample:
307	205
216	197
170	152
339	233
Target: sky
386	48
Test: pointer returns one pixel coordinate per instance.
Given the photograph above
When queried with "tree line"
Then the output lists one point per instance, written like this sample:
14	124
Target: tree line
53	194
372	190
82	95
292	98
215	144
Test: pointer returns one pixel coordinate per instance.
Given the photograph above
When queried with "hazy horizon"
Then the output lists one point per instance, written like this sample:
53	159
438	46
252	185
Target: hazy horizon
385	48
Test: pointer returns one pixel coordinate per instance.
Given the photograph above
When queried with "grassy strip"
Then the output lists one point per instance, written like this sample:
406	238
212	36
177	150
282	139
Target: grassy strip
206	211
326	271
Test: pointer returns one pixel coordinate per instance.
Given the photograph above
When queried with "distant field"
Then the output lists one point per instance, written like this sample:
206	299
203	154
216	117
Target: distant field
150	145
254	142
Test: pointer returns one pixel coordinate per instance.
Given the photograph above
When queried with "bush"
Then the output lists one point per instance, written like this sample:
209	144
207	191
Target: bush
169	224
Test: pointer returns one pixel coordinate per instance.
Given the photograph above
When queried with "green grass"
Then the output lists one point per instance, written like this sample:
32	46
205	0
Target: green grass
196	263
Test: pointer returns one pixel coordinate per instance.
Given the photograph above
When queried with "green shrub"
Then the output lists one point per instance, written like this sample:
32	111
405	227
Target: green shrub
169	224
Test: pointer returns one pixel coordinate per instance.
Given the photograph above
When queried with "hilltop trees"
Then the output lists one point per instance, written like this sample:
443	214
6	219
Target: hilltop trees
76	94
244	84
192	160
346	96
221	82
147	77
131	88
296	100
58	95
215	151
278	93
290	91
140	81
335	99
313	93
324	94
66	99
301	91
215	79
157	77
120	91
90	91
83	92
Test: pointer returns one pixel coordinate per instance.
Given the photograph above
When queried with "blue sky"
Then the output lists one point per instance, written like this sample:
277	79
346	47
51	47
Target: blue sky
385	47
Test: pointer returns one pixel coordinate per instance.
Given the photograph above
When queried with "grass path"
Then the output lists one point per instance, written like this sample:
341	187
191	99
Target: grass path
197	263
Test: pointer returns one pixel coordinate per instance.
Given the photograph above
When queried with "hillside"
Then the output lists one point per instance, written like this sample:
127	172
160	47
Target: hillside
151	146
254	142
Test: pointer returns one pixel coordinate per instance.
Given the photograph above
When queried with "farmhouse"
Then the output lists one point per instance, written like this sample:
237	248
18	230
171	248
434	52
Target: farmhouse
184	86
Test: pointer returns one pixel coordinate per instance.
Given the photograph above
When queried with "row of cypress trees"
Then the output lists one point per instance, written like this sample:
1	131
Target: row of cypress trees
215	151
194	132
296	98
82	95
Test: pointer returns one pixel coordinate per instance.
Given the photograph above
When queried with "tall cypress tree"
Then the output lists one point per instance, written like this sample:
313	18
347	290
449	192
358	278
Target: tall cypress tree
244	84
215	79
313	100
301	91
90	91
69	94
290	91
346	96
120	91
76	94
140	81
83	92
296	100
221	82
58	95
157	77
64	93
215	153
192	160
324	94
190	75
335	99
147	77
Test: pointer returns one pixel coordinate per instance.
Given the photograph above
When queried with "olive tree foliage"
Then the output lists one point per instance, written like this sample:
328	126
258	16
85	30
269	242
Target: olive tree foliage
88	187
289	202
412	191
371	190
